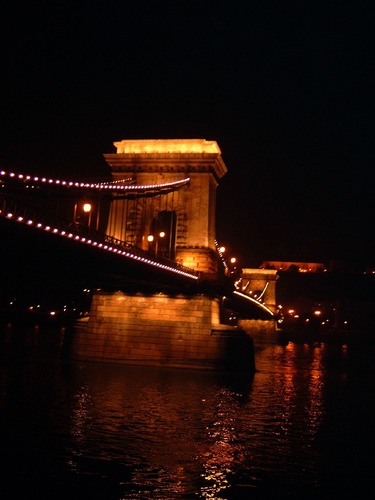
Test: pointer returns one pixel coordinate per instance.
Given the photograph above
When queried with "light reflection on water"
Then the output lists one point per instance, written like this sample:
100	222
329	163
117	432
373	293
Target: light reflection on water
298	428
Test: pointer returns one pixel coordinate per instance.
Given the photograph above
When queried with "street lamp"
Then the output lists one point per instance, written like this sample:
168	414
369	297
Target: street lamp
87	209
161	235
232	261
150	239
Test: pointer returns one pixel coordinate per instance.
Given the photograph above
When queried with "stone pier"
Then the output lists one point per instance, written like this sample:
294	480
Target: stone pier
162	330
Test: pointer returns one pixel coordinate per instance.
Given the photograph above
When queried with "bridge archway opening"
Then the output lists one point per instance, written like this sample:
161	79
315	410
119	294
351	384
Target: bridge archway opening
163	230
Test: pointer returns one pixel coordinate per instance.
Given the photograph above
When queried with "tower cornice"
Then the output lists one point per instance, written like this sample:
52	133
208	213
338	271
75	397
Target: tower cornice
167	155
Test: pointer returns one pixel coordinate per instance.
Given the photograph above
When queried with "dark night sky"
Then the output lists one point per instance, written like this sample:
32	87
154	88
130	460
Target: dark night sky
285	88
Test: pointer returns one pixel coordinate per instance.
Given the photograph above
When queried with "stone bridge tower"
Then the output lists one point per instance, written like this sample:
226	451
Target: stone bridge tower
185	217
165	328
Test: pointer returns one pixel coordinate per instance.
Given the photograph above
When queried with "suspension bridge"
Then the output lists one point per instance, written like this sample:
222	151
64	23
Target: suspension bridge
149	229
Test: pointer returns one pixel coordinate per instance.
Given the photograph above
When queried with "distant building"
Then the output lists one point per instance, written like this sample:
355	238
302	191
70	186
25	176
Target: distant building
302	267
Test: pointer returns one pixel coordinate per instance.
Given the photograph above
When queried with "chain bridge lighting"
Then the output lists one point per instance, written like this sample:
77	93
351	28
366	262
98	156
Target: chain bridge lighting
120	251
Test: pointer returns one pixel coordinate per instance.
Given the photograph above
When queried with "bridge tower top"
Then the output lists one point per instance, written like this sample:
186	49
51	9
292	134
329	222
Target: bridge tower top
167	155
154	161
167	146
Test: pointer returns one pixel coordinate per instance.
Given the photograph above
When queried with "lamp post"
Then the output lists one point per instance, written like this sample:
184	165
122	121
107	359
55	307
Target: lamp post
81	208
233	270
150	239
87	209
160	239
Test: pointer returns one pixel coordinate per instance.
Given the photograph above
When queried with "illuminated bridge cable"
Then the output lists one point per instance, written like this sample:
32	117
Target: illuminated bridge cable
12	210
114	186
254	301
264	290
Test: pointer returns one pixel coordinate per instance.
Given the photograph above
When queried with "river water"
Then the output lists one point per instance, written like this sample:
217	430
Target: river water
301	427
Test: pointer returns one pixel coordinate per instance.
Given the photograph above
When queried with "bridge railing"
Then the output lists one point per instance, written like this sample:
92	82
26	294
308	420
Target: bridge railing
20	211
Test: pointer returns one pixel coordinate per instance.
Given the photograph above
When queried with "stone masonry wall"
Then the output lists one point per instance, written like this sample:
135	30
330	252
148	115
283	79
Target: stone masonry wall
180	331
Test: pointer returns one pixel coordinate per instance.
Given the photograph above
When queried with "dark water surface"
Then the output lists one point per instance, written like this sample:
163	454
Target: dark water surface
301	427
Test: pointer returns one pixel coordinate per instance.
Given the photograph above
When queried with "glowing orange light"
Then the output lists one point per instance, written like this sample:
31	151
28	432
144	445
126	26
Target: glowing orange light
142	146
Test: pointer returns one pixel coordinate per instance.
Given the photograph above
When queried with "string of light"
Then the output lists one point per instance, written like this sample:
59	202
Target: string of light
251	299
112	186
103	246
